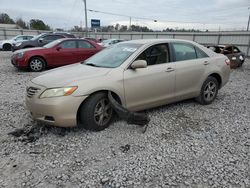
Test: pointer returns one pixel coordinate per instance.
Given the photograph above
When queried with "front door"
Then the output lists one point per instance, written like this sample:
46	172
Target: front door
66	54
151	86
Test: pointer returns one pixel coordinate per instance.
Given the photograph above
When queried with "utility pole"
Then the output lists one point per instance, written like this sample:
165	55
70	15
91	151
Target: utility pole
86	18
130	22
248	20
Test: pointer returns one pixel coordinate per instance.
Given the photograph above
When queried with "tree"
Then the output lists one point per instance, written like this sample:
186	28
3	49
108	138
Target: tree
77	29
38	24
5	19
21	23
123	28
117	27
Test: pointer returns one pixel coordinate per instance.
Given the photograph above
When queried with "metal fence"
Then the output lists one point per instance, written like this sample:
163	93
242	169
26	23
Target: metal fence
240	39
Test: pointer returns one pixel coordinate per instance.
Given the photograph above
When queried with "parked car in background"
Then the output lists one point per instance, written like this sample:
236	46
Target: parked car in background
110	42
235	56
92	39
39	40
67	34
57	53
6	45
140	74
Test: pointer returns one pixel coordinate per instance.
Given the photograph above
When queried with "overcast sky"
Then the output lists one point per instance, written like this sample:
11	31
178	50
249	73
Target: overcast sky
197	14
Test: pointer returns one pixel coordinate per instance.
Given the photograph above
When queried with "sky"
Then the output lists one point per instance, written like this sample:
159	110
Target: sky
188	14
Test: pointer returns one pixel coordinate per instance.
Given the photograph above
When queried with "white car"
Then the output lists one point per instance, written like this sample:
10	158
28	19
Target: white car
7	44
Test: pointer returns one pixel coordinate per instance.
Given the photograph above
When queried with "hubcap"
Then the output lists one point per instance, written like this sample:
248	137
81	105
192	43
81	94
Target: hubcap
36	65
210	91
103	112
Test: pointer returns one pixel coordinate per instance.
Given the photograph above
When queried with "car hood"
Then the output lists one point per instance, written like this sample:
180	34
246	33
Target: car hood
67	75
28	49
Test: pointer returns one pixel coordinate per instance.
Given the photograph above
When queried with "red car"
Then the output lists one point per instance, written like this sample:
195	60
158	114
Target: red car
57	53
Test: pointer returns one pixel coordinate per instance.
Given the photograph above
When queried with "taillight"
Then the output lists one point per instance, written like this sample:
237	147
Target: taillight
227	61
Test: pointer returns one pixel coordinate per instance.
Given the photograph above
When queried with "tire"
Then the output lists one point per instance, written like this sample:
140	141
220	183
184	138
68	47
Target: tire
96	113
37	64
7	47
209	91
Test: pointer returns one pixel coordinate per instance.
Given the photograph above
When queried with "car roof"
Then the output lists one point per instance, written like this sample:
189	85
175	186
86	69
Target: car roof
148	41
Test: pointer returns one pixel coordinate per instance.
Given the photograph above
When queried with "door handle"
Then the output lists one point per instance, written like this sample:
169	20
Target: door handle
170	69
206	63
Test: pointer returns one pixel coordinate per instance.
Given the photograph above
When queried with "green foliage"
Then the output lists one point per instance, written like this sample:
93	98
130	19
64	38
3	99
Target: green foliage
5	19
21	23
38	25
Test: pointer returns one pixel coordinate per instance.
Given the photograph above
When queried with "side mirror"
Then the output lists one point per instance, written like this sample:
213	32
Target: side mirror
41	40
58	48
139	64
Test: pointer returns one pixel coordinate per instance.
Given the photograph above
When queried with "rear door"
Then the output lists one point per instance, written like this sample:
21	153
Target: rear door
151	86
191	63
85	50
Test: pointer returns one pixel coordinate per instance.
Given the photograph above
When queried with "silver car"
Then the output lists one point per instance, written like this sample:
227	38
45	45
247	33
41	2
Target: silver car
141	74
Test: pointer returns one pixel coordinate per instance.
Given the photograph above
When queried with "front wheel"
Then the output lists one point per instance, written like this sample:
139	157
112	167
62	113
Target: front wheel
96	113
7	47
36	64
209	91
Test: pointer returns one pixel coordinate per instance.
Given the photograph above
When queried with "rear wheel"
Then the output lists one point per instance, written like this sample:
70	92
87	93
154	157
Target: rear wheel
209	91
7	47
96	113
37	64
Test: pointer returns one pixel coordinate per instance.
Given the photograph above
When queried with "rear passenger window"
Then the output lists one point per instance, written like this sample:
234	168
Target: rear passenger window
200	53
84	44
184	52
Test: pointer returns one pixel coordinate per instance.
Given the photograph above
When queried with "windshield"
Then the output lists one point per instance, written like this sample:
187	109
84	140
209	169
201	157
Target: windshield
53	43
114	56
107	41
36	37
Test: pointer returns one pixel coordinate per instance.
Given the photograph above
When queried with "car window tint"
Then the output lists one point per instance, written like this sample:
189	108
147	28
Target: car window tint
156	54
52	37
200	53
228	50
68	44
19	38
184	51
84	44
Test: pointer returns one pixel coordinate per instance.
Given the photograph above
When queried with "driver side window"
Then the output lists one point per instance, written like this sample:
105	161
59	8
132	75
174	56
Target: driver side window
156	54
19	38
68	44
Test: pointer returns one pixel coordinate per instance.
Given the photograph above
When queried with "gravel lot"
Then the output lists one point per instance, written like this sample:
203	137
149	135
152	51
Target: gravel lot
186	144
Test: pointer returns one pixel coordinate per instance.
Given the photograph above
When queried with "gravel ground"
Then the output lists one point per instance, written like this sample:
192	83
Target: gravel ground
186	144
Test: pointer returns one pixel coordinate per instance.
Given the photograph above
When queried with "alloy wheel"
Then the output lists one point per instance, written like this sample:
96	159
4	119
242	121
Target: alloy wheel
103	112
210	91
36	65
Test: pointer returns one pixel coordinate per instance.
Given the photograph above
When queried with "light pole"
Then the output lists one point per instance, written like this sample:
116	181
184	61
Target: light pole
248	23
86	18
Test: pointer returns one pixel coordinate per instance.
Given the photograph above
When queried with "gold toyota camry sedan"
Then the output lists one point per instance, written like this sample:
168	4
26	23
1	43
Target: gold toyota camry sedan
141	74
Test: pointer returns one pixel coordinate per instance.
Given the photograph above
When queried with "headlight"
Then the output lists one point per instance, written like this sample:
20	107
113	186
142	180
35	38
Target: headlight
18	44
57	92
20	55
